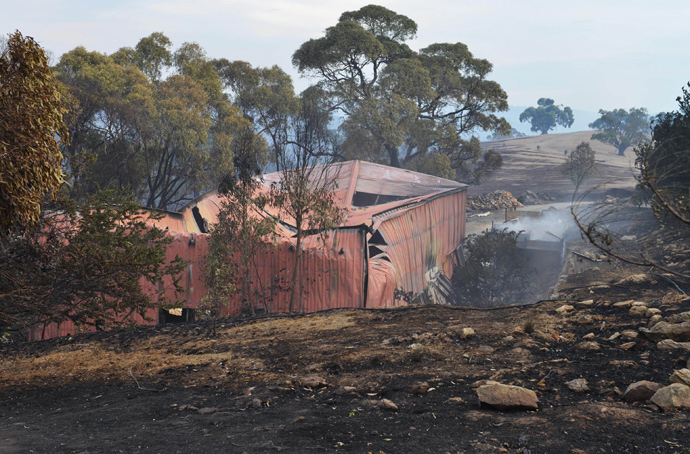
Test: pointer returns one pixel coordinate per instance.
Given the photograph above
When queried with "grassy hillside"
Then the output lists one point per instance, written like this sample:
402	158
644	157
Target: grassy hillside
531	163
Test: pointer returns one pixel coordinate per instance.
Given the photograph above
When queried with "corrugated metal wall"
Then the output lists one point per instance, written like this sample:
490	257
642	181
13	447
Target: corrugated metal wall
420	240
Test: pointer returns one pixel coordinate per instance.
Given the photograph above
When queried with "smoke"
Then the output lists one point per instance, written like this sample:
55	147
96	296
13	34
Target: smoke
553	225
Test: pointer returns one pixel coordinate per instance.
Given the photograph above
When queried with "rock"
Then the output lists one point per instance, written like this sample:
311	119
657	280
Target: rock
586	303
639	303
679	318
627	345
188	407
207	410
615	336
256	403
629	335
635	279
589	336
479	383
652	311
343	390
420	387
466	333
679	332
579	385
313	382
385	404
456	400
672	298
641	391
653	321
668	344
627	303
638	311
680	376
565	308
585	319
486	349
589	345
674	396
507	397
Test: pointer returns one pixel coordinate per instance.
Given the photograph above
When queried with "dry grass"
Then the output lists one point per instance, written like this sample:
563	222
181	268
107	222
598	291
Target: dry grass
527	168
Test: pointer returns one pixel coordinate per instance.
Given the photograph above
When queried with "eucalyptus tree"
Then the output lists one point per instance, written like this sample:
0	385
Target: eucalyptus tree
621	128
398	105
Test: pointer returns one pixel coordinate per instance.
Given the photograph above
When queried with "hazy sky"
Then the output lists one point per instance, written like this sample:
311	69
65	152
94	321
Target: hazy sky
585	54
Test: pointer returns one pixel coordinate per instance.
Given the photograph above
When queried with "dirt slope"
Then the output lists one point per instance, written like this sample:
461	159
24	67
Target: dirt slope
527	168
315	383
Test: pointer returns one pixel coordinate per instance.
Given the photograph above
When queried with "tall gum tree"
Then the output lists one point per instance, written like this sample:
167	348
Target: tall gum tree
399	105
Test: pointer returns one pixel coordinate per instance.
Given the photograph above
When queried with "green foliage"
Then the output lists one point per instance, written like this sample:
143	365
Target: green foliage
513	133
546	116
580	164
164	140
494	274
398	105
83	262
434	164
242	233
621	128
31	113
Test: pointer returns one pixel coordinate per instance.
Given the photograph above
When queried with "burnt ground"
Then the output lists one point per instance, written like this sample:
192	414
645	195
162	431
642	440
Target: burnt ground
314	383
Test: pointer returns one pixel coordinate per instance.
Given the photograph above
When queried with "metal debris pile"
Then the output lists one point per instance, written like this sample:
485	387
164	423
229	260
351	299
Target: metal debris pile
496	200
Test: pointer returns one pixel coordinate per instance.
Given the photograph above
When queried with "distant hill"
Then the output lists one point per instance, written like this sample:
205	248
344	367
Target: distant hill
531	163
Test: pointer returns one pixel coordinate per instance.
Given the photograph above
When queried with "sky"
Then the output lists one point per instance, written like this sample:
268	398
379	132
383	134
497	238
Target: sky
586	54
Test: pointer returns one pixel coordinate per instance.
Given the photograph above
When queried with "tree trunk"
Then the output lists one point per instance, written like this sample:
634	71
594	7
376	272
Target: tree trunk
296	275
393	153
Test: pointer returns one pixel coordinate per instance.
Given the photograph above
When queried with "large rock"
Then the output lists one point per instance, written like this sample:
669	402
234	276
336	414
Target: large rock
507	397
668	344
678	332
673	397
681	376
641	391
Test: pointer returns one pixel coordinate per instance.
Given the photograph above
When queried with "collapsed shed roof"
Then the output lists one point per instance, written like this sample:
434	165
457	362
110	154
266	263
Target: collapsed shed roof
363	189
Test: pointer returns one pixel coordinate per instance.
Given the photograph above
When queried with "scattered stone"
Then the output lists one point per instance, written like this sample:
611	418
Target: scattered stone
641	391
507	397
565	308
629	335
652	311
586	303
679	318
585	319
486	349
674	396
635	279
668	344
681	376
579	385
627	345
639	303
385	404
207	410
589	345
654	320
623	303
679	332
638	311
343	390
256	403
420	387
466	333
673	298
456	400
313	382
615	336
509	338
589	336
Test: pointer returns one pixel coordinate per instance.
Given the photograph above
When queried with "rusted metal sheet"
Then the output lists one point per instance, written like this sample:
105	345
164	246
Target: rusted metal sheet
420	239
